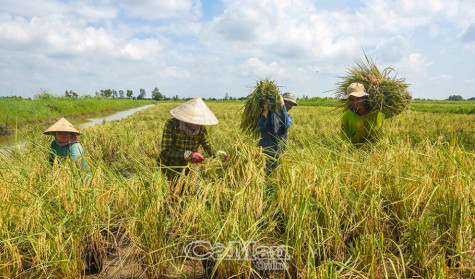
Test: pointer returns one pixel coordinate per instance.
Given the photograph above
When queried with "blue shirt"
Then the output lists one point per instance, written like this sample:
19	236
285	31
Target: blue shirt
273	129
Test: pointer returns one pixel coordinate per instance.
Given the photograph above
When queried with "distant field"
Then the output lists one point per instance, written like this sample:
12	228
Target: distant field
21	111
467	107
464	107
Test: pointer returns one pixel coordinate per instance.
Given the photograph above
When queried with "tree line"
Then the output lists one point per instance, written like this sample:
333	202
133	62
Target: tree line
459	98
129	94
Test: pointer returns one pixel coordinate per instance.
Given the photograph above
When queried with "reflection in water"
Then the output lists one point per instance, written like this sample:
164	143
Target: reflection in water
113	117
8	142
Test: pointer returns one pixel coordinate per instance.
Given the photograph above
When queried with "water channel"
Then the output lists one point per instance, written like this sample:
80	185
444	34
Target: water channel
8	142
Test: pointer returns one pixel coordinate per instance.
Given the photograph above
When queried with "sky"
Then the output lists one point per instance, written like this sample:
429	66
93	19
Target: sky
209	48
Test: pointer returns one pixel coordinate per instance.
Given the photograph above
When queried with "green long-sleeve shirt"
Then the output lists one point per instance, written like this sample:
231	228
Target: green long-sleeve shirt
361	129
72	151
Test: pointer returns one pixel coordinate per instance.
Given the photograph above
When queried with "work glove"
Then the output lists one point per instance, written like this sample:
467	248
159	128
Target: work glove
196	157
221	154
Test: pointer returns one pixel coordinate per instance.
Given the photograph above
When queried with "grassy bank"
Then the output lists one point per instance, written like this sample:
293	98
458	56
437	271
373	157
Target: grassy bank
402	208
22	111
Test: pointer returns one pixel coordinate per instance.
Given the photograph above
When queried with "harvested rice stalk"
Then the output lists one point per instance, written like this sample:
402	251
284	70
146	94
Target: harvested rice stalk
387	93
265	90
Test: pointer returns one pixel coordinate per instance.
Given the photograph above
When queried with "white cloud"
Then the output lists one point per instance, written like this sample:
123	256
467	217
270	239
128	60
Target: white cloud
13	31
100	44
138	49
441	78
161	9
392	49
175	72
57	35
254	67
287	29
33	8
418	62
79	10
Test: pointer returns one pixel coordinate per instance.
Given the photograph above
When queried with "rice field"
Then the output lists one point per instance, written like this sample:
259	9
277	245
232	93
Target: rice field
401	208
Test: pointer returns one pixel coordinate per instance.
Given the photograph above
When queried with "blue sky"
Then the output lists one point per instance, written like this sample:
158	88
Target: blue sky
207	48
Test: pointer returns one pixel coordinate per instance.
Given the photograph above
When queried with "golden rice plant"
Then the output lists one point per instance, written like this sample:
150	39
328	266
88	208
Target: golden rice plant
403	208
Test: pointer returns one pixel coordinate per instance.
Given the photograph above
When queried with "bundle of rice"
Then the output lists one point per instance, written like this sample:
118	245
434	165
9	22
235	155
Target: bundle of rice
265	90
387	94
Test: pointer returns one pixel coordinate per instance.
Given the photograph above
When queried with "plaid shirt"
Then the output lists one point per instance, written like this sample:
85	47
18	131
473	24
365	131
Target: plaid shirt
174	144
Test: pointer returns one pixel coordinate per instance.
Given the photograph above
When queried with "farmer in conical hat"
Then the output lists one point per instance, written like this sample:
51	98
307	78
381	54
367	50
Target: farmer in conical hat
65	143
183	134
273	127
289	101
359	123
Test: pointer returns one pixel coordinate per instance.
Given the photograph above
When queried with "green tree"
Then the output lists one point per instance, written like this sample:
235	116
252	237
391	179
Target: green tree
66	94
141	94
107	93
455	98
129	93
157	95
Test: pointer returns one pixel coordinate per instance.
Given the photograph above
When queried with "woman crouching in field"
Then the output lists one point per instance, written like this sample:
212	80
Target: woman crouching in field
65	143
183	134
360	124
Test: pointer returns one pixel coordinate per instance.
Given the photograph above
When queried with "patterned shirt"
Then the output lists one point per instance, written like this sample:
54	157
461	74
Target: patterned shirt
174	144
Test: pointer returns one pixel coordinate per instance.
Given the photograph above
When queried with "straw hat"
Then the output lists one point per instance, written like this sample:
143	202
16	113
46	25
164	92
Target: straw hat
355	89
195	111
62	125
290	98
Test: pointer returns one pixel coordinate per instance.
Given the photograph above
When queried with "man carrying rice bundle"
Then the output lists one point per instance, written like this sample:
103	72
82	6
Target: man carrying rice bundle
266	115
360	124
273	127
184	134
370	96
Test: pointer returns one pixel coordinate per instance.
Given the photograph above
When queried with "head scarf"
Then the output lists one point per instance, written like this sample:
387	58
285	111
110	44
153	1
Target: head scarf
187	130
72	139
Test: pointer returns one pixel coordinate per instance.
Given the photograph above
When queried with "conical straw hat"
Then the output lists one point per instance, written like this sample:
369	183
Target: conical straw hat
195	111
62	125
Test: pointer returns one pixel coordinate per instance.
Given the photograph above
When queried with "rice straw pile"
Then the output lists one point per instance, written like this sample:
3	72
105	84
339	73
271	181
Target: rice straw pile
387	93
265	90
